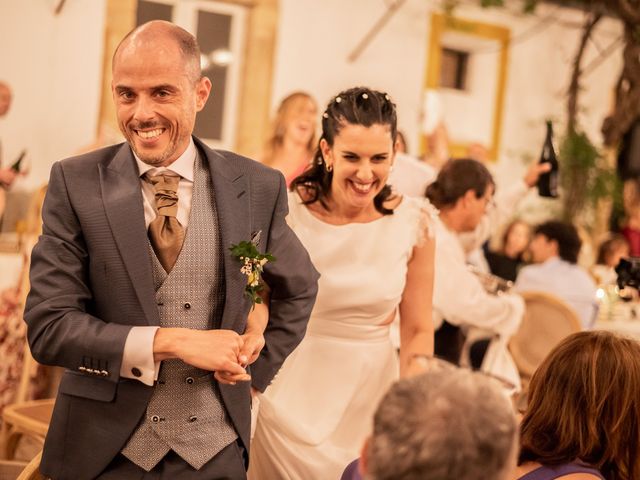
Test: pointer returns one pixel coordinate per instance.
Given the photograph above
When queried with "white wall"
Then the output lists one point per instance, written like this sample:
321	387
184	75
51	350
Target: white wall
315	39
54	66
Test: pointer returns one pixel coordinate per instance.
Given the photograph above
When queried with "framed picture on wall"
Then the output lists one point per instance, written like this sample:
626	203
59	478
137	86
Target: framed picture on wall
465	84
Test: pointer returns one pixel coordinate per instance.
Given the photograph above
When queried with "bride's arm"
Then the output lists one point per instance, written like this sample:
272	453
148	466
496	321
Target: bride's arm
253	339
416	323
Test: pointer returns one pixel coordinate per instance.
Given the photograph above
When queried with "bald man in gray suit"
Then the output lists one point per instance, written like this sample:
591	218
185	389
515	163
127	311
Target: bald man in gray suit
135	292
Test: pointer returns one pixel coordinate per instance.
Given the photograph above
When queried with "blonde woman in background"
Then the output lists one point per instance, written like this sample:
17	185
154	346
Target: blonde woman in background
291	143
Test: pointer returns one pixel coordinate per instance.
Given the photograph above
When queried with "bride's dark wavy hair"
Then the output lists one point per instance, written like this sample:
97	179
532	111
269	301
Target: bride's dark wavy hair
356	106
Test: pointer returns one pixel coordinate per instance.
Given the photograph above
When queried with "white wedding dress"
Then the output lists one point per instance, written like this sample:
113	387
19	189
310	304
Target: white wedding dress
314	417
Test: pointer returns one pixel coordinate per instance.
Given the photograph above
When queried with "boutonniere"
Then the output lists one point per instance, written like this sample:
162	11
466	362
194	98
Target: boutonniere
252	264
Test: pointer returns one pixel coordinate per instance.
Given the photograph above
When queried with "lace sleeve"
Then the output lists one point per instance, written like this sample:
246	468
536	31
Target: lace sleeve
426	219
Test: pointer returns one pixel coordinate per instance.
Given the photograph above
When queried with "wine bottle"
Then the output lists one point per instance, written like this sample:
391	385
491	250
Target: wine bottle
548	181
18	163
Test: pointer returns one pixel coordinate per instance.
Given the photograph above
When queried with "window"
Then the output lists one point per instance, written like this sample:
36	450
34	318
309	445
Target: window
453	73
220	29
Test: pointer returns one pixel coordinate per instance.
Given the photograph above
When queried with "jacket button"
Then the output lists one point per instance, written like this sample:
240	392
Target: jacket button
135	371
193	418
189	380
155	419
187	305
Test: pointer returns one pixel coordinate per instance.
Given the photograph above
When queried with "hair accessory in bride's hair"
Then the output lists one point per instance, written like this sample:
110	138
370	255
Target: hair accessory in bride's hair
365	96
338	99
325	115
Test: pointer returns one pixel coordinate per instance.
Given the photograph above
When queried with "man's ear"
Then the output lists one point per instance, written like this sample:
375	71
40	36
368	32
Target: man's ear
468	197
364	458
203	89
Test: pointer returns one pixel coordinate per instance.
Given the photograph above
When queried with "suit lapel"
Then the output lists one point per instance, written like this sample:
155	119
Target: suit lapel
232	195
122	199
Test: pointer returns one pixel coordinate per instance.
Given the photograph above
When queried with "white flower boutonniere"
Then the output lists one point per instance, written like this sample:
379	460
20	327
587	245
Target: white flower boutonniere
252	264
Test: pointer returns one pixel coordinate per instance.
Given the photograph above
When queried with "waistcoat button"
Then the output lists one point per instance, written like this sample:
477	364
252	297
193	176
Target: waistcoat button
193	418
187	305
189	380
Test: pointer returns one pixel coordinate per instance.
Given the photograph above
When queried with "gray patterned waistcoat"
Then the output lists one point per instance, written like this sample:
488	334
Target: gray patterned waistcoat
185	413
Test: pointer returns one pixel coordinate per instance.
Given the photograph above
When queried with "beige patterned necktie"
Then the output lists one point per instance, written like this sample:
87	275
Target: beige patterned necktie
165	232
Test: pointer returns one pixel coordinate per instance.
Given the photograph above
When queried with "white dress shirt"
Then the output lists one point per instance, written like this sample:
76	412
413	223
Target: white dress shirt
458	294
459	297
411	176
463	248
138	348
567	281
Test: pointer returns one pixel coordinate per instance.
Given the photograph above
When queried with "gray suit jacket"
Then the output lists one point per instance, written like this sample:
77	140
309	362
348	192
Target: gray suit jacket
91	281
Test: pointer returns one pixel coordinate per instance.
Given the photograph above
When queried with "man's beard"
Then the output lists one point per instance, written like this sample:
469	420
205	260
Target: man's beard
154	160
150	159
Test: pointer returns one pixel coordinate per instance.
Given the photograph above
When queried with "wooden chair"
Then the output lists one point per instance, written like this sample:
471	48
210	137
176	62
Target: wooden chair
30	418
32	470
10	470
547	321
25	417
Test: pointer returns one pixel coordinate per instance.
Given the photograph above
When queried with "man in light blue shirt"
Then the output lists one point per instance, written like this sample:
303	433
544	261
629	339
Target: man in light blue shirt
554	249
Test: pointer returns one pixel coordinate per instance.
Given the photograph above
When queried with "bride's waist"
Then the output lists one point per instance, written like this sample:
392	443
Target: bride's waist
348	330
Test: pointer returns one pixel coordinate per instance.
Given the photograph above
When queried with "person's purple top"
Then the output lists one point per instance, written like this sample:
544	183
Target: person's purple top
351	472
549	473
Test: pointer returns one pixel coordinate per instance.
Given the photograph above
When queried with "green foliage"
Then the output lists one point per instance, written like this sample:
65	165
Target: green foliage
529	6
491	3
251	265
584	175
249	250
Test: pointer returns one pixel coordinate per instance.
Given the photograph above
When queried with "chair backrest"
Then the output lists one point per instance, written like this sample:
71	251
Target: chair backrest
32	230
32	470
11	469
547	321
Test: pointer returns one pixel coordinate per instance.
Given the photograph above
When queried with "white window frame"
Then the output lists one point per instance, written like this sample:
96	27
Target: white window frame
185	14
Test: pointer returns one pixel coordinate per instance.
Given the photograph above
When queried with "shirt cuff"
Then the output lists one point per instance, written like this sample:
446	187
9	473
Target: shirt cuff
137	358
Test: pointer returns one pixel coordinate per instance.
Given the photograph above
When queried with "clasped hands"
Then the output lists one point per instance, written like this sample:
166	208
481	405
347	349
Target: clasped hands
224	352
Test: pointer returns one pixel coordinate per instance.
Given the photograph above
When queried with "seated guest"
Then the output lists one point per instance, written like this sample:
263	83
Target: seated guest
583	417
506	261
610	251
445	424
554	251
463	192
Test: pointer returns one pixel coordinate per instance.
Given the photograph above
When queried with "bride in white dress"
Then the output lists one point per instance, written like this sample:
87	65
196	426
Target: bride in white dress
374	252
